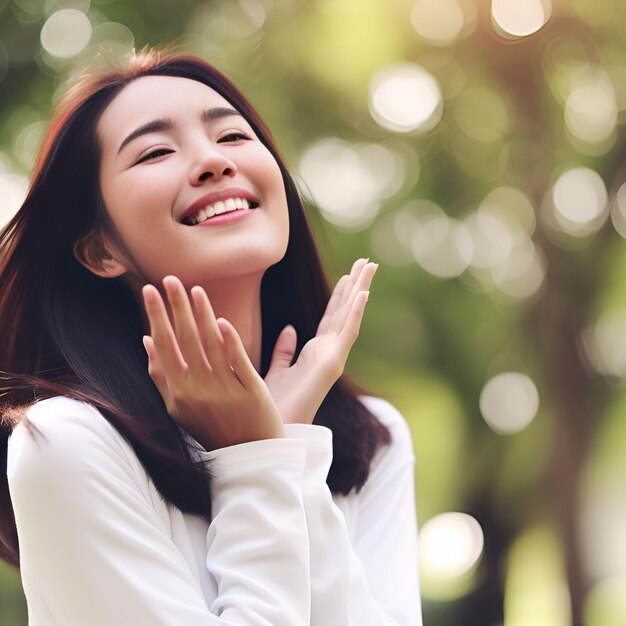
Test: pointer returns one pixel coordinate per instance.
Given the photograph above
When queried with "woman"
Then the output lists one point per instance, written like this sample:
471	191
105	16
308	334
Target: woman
171	483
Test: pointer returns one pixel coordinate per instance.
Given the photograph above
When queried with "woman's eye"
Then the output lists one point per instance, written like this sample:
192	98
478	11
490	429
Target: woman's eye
154	154
234	136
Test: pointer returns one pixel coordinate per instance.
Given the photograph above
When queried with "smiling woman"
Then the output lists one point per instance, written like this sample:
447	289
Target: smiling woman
177	430
170	159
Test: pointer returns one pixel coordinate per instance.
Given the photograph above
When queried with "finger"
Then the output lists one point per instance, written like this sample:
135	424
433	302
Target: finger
362	283
237	356
357	266
162	333
284	349
351	329
355	272
333	303
185	327
345	286
155	369
210	334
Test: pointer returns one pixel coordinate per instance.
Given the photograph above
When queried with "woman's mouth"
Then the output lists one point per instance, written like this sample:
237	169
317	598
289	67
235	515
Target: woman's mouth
218	208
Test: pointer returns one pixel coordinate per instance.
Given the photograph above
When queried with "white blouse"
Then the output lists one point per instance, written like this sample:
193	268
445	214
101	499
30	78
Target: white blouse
100	547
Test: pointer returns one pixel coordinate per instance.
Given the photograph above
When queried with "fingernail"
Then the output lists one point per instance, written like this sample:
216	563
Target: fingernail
221	324
144	340
170	283
368	296
147	293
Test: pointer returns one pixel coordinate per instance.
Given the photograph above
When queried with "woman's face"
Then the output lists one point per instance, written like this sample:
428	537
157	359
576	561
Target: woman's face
188	186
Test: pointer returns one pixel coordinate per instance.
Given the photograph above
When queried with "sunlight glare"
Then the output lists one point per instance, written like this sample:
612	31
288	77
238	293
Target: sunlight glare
520	18
65	33
405	98
509	402
580	202
438	21
450	545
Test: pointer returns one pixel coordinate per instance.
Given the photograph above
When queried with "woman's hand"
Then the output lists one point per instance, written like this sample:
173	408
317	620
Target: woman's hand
203	373
299	389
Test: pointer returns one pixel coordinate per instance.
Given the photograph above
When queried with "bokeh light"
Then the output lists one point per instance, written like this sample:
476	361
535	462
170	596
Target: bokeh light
515	18
450	545
523	273
591	112
591	109
579	202
348	182
438	21
113	38
405	98
512	206
509	402
441	245
605	344
493	240
505	258
65	33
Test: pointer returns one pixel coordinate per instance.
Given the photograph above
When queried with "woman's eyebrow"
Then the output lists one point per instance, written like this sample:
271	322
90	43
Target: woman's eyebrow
208	115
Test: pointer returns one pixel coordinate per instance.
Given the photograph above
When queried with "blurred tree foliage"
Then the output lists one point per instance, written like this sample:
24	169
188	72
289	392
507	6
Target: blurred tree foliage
546	497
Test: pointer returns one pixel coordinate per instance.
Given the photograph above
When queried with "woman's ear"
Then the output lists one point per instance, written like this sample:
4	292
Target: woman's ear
99	256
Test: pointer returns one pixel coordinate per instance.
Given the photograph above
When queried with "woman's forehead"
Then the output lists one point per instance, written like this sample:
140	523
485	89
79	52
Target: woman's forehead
155	97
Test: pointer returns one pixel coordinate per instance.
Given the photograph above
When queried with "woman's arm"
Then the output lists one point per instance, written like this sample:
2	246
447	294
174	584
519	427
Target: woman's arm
372	578
367	575
95	551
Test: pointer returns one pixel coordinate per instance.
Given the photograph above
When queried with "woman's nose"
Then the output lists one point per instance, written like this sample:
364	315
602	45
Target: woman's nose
211	163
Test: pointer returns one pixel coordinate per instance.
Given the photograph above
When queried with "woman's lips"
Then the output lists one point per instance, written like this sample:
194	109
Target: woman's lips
227	218
226	206
218	197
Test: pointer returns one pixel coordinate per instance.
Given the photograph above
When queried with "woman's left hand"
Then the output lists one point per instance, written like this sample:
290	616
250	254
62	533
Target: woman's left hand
299	389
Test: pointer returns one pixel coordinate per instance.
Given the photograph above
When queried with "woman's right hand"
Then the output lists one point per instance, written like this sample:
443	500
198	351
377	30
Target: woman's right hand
201	369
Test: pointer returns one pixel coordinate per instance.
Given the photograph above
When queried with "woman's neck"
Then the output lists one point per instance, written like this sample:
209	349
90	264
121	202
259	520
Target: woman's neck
239	301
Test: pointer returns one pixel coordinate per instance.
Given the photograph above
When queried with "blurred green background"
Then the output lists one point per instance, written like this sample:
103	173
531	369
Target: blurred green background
476	150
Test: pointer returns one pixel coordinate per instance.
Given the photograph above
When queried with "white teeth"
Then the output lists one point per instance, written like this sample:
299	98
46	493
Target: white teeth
230	204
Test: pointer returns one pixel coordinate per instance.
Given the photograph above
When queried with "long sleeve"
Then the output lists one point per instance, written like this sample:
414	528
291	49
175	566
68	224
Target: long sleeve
94	550
367	575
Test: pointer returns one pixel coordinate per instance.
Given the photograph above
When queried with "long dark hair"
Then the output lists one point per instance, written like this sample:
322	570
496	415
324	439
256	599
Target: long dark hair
66	331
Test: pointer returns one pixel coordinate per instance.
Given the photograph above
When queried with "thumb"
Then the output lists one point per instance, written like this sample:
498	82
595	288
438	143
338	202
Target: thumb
284	349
